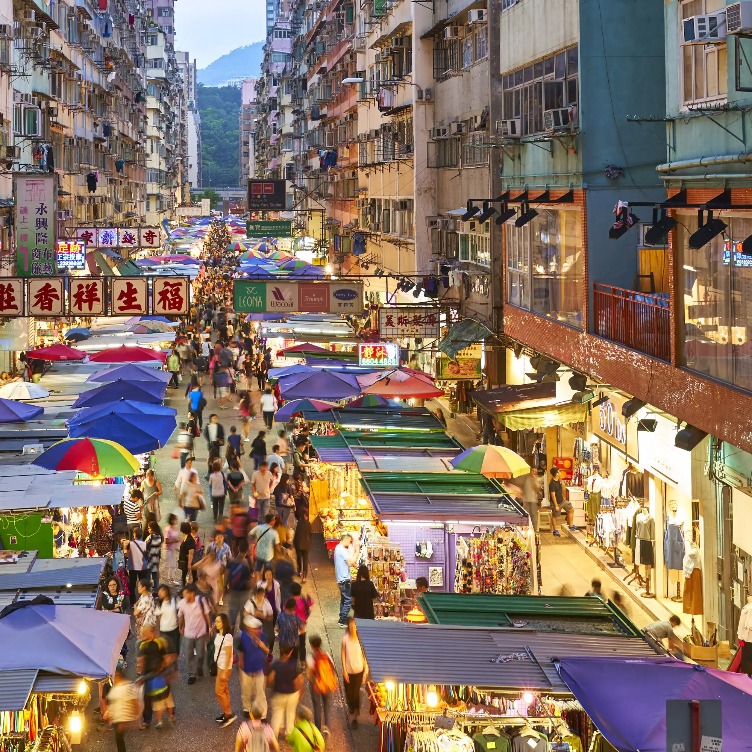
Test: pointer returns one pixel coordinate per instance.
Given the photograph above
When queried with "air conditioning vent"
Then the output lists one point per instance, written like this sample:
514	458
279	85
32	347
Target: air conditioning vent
452	32
739	18
509	128
439	132
456	127
708	29
560	119
476	16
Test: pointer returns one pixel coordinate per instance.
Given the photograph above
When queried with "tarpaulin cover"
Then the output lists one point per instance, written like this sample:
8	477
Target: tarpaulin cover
543	417
463	334
626	698
112	391
62	640
319	385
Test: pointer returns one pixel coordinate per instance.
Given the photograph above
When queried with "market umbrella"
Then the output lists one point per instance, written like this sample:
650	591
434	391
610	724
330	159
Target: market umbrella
147	262
293	263
92	456
263	247
77	333
626	698
23	390
309	272
56	353
372	400
320	384
278	255
158	319
126	354
298	406
491	461
65	640
251	258
131	372
304	347
139	391
403	385
237	246
13	412
401	372
138	426
150	327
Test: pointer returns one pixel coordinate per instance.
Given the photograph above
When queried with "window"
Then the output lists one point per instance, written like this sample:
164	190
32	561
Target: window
703	65
446	58
280	57
444	152
468	49
27	121
475	149
474	247
481	42
545	265
717	303
547	84
164	12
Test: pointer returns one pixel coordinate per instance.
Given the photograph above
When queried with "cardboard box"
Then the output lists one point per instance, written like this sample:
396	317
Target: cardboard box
706	656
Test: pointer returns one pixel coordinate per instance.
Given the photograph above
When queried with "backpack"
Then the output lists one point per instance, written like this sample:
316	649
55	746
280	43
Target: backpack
198	552
325	675
254	739
239	573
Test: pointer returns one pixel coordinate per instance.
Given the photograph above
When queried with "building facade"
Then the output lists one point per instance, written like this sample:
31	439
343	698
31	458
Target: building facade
249	114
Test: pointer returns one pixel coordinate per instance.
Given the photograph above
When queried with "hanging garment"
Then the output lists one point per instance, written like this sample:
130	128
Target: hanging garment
744	631
120	165
673	547
746	664
692	598
50	158
91	182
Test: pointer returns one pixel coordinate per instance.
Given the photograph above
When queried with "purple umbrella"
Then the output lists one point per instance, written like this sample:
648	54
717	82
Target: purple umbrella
319	385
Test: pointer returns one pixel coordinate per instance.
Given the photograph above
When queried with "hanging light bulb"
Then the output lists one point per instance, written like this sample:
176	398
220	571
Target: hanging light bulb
389	686
528	697
83	687
432	697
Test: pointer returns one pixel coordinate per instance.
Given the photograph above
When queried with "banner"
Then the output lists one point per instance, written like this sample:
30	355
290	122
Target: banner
252	296
269	229
398	323
461	368
378	355
35	224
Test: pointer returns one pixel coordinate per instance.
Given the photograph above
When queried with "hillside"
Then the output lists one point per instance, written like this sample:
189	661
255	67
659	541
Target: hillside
219	108
242	62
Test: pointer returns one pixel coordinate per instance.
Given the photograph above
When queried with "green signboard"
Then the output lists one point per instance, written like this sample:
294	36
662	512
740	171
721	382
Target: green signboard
269	229
249	297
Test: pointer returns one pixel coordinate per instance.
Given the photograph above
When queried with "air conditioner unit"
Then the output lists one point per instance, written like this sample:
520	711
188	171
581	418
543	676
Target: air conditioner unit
434	223
36	33
29	15
708	29
557	120
428	94
399	42
474	122
439	132
452	32
739	18
34	101
12	152
5	30
476	16
456	127
511	128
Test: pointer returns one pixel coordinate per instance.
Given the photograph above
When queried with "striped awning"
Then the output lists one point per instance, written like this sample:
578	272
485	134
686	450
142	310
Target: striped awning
543	417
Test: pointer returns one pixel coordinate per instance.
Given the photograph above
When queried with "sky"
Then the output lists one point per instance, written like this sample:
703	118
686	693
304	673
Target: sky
209	30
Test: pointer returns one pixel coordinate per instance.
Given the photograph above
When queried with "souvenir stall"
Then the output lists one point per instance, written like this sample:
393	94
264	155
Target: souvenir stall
505	687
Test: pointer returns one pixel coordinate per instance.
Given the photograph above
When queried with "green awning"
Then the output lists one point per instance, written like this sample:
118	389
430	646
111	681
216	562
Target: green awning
462	484
463	334
543	417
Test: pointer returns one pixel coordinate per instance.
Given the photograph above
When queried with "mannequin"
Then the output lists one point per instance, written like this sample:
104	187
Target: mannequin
631	512
693	603
594	489
744	634
645	546
673	548
632	483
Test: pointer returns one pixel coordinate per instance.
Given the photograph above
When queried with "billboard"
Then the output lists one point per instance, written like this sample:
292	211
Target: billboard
35	224
266	195
269	228
252	296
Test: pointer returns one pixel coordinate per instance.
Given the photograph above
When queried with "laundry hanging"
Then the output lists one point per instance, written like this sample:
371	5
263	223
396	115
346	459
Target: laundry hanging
91	181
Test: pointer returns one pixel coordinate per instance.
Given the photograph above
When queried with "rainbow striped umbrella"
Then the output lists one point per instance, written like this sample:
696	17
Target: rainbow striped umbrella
93	456
491	461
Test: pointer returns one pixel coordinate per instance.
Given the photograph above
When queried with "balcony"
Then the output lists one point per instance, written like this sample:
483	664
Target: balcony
640	321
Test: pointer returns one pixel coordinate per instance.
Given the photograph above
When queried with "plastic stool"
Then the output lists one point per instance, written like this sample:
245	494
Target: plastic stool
545	521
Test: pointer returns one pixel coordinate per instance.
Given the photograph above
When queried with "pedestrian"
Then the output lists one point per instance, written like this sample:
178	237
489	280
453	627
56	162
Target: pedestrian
268	407
363	593
222	646
595	589
167	617
302	541
284	570
322	677
149	663
186	553
254	734
260	607
214	433
275	456
261	371
235	441
192	496
258	450
664	630
252	653
286	681
133	508
172	545
345	555
137	561
290	627
305	737
303	605
183	475
531	495
184	443
173	366
559	504
193	622
123	707
353	666
197	403
112	598
144	609
266	540
151	489
262	484
245	408
236	480
153	544
299	461
238	581
217	489
284	447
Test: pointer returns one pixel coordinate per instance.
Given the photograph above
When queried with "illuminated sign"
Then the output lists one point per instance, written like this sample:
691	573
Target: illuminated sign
71	255
381	355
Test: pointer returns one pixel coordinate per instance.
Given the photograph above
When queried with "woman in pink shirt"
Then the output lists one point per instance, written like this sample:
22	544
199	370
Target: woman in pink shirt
172	544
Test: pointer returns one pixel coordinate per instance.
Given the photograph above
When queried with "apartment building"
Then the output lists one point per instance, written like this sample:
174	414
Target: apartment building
189	127
249	114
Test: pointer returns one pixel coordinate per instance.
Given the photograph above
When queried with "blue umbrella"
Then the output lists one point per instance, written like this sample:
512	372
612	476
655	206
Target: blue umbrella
311	272
131	372
255	271
278	373
319	385
13	412
139	391
77	333
122	407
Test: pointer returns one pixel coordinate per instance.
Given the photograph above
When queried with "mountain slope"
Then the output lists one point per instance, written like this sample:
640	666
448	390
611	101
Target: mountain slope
242	62
219	108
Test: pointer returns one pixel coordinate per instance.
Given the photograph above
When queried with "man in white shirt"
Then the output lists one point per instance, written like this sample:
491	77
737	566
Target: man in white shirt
345	555
275	456
268	407
183	475
262	483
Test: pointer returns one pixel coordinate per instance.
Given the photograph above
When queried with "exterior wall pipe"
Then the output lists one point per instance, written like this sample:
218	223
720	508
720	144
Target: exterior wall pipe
719	176
688	164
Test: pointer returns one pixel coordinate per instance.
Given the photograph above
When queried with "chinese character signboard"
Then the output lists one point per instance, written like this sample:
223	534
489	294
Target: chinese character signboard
87	236
46	297
396	323
128	237
381	355
298	297
11	296
170	296
71	255
35	224
86	296
130	296
107	237
266	195
269	229
149	237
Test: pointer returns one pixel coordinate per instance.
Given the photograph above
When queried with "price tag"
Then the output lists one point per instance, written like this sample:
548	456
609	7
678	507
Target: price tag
711	744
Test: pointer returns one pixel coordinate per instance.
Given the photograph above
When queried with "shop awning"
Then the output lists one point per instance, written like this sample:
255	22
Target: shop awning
543	417
58	573
489	658
410	419
359	446
515	396
567	615
463	334
626	699
15	688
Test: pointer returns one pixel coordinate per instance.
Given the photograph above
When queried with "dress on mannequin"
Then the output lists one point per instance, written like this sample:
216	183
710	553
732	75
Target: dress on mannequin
673	544
693	603
645	539
594	487
744	633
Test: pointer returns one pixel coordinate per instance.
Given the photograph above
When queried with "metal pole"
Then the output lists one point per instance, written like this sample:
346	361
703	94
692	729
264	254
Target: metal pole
694	724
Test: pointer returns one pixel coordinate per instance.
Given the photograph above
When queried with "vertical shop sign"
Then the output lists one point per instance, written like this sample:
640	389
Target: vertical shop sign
609	424
46	297
107	237
35	225
87	236
11	296
86	296
170	297
71	255
130	296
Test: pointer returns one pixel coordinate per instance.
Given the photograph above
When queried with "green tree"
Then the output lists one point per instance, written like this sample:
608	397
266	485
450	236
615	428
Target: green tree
219	107
215	200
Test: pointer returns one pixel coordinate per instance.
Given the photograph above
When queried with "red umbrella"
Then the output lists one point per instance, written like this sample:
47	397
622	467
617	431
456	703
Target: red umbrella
404	385
369	379
304	347
127	354
56	352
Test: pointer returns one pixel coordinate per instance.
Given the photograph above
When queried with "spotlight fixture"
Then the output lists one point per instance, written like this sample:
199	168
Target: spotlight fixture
406	285
470	212
647	424
417	291
517	350
379	272
631	406
526	215
600	401
550	378
487	213
706	230
625	220
746	248
505	214
583	397
578	382
689	437
657	233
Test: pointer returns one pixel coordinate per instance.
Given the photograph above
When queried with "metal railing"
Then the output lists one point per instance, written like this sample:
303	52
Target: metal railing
640	321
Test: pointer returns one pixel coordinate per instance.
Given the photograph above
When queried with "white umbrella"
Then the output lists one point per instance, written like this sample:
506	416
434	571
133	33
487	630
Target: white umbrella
23	390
